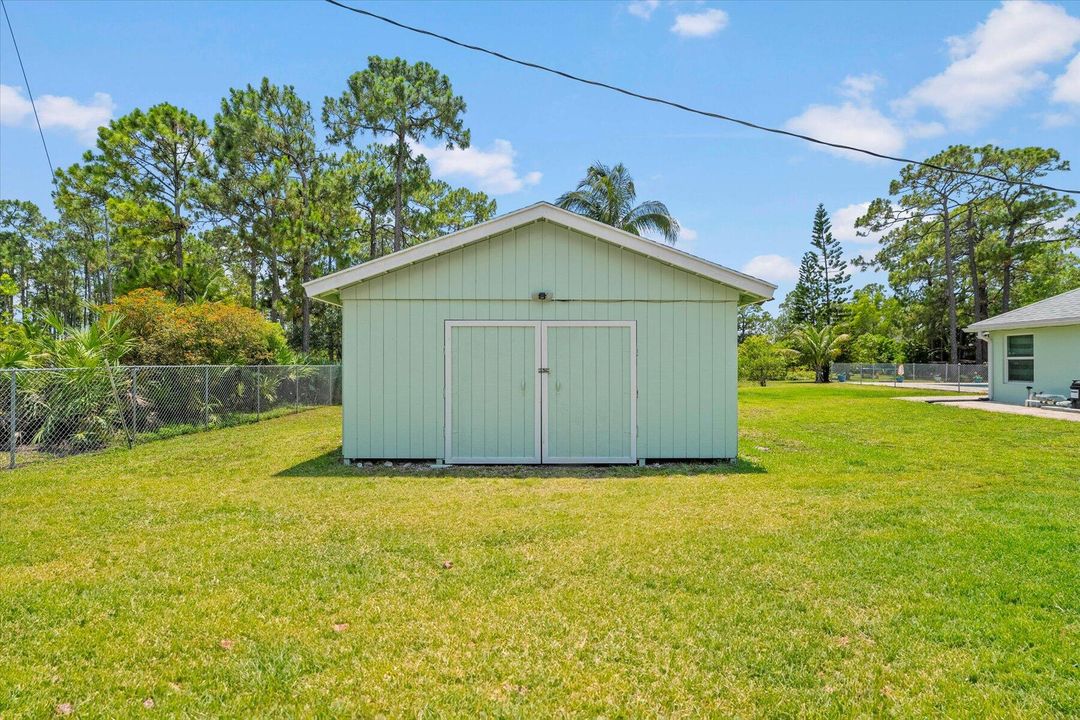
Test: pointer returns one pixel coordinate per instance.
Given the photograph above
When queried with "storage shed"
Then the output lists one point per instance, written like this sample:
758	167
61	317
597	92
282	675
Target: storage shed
1036	346
539	337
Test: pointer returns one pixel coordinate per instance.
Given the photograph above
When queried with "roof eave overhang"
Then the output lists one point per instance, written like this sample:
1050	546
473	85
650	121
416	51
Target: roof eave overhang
751	289
983	327
330	297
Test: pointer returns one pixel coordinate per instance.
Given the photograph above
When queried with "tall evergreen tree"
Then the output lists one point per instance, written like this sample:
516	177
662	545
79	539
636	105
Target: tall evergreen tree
927	197
407	103
264	144
1025	216
834	280
23	229
153	159
804	305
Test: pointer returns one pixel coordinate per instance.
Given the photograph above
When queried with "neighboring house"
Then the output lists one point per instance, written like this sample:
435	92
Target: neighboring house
1036	346
539	336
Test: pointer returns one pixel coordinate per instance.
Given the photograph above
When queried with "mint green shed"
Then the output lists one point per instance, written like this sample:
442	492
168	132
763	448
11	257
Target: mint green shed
539	337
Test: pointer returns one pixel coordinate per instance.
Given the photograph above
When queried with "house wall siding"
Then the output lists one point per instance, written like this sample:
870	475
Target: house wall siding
1057	362
393	338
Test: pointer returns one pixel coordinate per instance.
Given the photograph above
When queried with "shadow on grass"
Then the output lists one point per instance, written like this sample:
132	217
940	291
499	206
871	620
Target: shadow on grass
330	465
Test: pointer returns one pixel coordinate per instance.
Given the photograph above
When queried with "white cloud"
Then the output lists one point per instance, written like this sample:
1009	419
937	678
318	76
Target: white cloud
1067	85
855	124
775	268
84	120
997	64
491	170
57	111
688	240
1057	120
855	121
991	68
843	224
14	107
642	8
701	24
843	229
860	87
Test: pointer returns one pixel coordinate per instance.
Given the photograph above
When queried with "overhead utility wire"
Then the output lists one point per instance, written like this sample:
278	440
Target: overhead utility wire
687	108
52	171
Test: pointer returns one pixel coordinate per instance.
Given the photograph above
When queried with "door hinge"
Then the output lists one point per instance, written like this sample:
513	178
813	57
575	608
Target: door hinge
543	371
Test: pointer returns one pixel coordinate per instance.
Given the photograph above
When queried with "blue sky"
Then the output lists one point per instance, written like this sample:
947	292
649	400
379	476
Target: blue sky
903	78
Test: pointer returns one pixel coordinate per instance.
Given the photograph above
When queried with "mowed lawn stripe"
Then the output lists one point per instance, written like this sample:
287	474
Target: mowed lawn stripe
865	556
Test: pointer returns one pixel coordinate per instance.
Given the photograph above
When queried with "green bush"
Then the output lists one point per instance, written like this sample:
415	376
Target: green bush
761	360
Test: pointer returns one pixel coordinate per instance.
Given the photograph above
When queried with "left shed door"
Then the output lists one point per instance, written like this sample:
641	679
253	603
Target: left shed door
492	392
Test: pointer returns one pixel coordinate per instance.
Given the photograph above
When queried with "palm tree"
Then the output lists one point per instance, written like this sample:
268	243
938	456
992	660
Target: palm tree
607	194
818	348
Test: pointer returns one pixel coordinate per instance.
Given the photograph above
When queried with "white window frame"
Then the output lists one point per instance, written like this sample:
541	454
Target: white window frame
1008	357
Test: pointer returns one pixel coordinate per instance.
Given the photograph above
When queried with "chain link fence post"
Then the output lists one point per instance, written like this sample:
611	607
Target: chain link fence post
206	396
258	393
11	418
134	405
296	379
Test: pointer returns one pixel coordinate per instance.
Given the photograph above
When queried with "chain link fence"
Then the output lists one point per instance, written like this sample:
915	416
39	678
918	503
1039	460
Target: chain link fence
56	412
960	375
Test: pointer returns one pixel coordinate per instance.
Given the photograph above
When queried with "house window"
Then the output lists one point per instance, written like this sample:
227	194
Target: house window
1020	358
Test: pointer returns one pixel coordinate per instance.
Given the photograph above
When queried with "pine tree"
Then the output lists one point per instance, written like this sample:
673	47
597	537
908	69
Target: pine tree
834	279
805	303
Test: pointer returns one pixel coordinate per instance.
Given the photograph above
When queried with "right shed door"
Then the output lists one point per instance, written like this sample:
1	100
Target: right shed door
589	391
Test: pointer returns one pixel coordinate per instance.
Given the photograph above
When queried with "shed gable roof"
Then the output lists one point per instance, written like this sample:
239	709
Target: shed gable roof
326	287
1063	309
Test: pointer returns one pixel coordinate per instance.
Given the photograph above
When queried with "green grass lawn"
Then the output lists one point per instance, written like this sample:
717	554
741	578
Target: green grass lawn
865	557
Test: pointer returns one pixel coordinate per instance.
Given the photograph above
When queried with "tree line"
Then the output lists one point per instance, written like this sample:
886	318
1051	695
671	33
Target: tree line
957	248
245	208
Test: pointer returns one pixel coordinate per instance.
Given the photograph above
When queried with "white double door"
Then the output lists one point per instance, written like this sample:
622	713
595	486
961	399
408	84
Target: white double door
531	391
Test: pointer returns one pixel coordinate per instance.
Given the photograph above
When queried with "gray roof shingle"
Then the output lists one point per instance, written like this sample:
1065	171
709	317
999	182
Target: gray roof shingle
1063	309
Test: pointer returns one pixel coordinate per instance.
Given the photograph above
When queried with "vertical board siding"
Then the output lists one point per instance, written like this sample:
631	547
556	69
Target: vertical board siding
394	334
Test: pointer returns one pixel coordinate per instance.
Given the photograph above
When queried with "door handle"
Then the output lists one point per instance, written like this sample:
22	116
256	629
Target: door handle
543	371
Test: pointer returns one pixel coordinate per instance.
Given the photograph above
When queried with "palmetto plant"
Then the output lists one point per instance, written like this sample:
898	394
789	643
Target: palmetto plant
607	194
99	345
81	407
14	357
818	347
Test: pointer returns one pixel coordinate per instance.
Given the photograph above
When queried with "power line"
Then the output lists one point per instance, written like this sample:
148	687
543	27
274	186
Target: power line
687	108
11	30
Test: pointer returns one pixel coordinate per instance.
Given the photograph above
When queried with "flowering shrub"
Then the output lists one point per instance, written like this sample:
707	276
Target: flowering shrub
205	333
